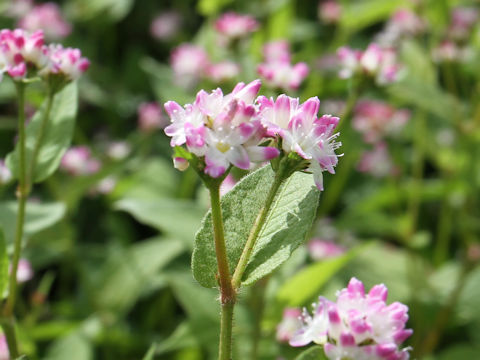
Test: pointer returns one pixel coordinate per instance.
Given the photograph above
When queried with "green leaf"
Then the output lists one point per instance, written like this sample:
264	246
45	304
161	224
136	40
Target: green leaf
460	352
287	224
418	62
307	283
280	22
75	346
178	218
151	352
3	264
314	353
38	217
57	138
132	270
416	91
360	14
211	7
114	10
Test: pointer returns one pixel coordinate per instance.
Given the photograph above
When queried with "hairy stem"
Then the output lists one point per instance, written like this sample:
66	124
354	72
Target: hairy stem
280	176
227	293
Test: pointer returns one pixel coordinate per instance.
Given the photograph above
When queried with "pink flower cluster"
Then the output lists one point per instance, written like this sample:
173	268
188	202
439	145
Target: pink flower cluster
23	54
46	17
403	23
166	25
78	160
227	130
374	61
329	11
190	63
150	116
277	69
377	119
357	325
377	161
234	26
463	19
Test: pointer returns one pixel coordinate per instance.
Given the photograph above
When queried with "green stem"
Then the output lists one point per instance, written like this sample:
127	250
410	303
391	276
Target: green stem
227	293
226	322
22	194
8	327
280	176
40	138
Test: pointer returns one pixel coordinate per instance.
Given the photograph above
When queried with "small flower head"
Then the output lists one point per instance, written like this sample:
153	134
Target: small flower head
47	17
118	150
233	26
302	132
358	325
150	117
462	21
66	63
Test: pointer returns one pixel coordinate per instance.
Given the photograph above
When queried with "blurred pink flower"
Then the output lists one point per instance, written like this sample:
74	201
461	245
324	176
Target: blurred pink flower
151	117
118	150
449	51
403	23
277	51
24	271
189	63
222	71
166	25
277	70
377	162
233	26
320	249
290	324
5	174
374	61
79	161
463	20
329	11
4	353
376	119
47	17
105	186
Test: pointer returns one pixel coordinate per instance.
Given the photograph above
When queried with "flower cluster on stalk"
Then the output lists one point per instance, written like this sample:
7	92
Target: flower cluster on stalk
357	326
380	63
238	129
24	55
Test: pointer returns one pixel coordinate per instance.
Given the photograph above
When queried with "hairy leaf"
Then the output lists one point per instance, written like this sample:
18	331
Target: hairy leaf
286	226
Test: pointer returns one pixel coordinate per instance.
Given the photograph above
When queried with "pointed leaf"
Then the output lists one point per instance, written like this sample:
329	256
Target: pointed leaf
290	218
57	137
